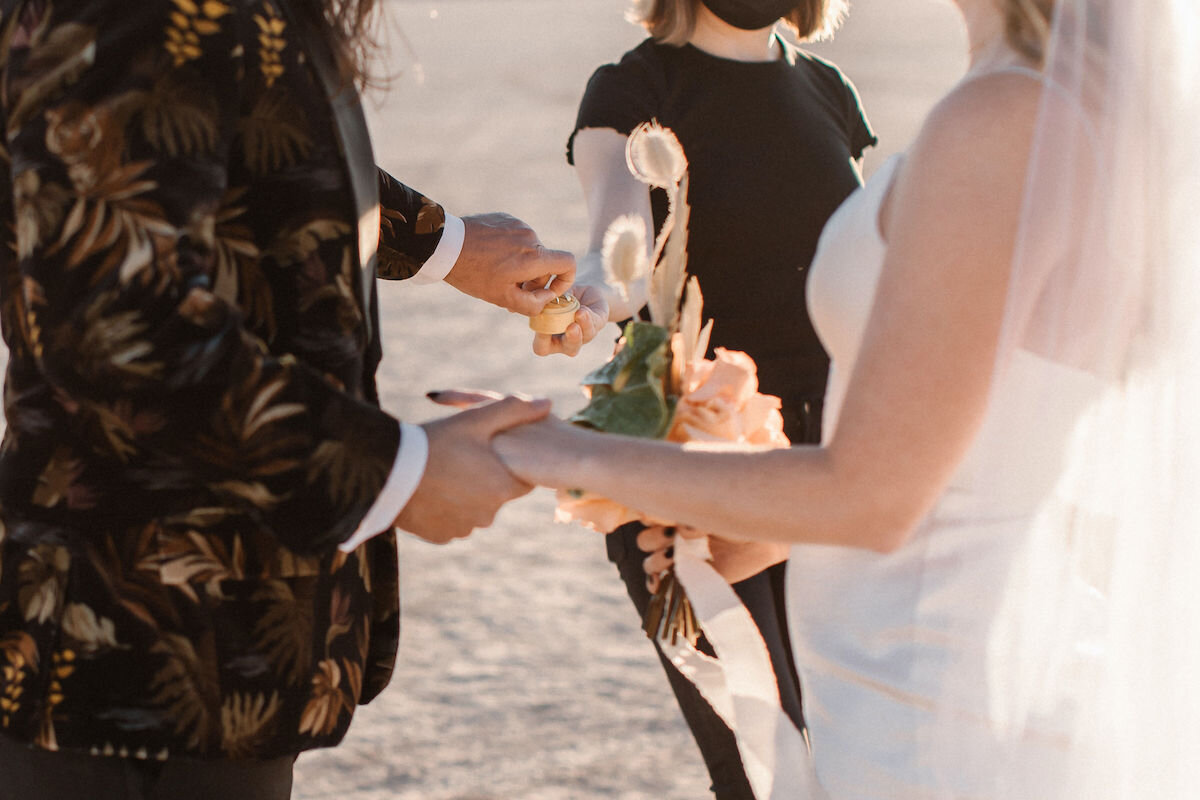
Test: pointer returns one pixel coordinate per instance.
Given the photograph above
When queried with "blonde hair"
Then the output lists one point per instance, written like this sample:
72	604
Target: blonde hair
1027	25
672	21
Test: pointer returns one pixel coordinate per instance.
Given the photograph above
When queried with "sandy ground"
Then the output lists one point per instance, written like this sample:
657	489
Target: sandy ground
522	671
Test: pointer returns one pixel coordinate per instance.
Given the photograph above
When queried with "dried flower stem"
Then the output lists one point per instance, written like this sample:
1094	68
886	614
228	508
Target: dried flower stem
670	615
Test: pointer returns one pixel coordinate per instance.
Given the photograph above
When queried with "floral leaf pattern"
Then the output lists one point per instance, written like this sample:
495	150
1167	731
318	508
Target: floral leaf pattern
244	720
185	687
271	43
191	426
178	117
89	632
275	134
191	20
285	629
41	579
321	714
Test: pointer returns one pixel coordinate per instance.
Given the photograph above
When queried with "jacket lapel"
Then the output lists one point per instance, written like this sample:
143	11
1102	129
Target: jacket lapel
359	158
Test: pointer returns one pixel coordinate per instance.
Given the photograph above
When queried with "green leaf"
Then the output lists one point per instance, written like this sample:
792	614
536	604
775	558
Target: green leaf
641	339
640	412
629	392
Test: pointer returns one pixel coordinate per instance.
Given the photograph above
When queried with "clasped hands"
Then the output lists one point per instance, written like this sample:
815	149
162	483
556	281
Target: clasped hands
502	262
523	446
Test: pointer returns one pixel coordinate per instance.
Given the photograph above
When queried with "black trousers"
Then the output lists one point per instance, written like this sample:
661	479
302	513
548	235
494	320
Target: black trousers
763	596
31	774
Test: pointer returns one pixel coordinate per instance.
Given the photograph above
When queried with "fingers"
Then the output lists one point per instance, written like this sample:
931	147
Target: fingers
543	344
655	537
528	302
503	262
589	321
571	341
560	264
510	412
659	561
568	343
463	398
658	542
448	504
532	286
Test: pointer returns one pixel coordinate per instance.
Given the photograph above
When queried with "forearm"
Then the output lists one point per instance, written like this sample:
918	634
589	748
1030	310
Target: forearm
796	495
610	191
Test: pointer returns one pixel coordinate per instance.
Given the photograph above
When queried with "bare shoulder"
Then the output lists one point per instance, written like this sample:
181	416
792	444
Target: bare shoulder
984	126
957	199
970	159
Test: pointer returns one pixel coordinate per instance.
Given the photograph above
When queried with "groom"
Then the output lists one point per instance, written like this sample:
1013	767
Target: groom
198	490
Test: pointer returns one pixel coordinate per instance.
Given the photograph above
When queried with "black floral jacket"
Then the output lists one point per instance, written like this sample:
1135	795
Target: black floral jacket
190	399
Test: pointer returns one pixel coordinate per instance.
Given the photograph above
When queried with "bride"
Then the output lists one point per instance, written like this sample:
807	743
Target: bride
996	534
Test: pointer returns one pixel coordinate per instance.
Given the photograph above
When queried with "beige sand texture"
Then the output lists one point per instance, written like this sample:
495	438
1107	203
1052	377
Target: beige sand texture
523	674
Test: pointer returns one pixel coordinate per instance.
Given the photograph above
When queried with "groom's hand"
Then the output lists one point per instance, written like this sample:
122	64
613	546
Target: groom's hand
501	257
464	483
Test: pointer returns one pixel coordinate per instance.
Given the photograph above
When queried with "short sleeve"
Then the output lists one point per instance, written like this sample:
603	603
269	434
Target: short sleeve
845	98
621	96
857	126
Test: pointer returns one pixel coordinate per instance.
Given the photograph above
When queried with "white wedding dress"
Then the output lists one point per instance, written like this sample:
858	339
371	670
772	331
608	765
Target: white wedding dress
1037	635
884	642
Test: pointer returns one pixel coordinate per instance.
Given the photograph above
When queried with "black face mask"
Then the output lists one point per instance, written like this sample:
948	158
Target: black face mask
750	15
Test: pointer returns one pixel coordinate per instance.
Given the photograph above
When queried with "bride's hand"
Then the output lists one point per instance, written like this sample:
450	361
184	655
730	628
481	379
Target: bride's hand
733	561
541	454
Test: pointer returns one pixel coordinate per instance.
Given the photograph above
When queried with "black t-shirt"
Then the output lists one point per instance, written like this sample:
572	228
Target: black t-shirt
769	146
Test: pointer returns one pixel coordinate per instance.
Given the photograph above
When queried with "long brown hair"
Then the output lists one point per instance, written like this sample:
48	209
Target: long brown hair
351	27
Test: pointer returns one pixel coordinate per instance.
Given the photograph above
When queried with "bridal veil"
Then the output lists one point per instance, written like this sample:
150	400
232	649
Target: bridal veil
1094	658
1091	658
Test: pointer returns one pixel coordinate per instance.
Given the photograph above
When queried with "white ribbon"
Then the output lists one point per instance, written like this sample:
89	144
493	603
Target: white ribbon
740	683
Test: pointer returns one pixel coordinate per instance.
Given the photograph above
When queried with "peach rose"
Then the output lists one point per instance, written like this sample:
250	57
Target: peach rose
721	403
592	511
597	513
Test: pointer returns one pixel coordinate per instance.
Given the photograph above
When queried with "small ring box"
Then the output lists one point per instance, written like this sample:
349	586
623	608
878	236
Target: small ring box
557	316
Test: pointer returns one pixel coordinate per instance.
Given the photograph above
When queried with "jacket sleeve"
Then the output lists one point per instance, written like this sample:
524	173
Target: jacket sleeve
410	229
622	96
121	118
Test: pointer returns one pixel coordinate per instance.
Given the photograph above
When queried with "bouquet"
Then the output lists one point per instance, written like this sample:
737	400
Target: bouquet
659	383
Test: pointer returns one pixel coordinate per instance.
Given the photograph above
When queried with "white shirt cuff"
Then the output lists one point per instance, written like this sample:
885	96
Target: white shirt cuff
407	470
445	255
